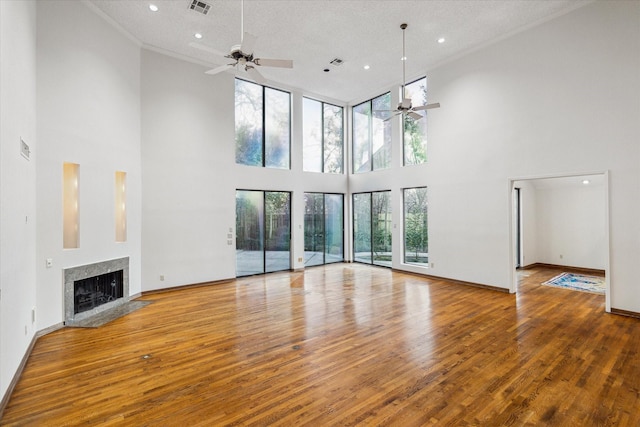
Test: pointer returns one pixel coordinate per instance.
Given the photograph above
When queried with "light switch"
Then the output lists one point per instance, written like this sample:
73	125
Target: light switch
49	262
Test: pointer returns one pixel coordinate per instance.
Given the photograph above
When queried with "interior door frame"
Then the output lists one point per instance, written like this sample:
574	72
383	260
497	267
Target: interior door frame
512	222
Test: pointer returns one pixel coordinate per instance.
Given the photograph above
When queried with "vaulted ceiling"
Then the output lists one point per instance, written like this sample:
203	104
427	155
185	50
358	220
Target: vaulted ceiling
314	32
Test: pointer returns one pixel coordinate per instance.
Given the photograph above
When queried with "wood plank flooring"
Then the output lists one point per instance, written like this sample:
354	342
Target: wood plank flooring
345	345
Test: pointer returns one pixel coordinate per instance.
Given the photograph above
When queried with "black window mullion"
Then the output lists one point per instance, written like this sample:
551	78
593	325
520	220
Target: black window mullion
322	136
371	243
324	228
264	230
371	139
264	126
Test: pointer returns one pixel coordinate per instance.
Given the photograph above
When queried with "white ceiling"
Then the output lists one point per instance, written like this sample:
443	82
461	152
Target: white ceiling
313	32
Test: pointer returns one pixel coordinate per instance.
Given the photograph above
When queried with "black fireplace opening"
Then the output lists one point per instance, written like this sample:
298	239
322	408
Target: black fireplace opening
94	291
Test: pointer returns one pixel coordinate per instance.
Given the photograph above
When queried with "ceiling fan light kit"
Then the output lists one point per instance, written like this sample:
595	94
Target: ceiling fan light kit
243	56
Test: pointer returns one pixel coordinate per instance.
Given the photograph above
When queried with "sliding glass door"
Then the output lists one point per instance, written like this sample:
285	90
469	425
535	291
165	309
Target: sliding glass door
263	232
323	228
372	228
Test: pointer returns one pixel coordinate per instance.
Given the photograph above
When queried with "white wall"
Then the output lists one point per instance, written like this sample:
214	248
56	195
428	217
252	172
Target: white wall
190	176
571	224
17	183
557	99
560	98
88	102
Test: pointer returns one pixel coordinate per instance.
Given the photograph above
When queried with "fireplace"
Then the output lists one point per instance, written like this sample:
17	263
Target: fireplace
94	291
93	288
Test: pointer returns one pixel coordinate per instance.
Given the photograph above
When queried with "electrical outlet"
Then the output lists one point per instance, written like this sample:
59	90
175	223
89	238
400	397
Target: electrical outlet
299	259
560	256
33	315
162	277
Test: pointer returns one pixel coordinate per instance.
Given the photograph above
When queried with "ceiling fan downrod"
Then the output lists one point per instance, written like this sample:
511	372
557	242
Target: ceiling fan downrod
404	58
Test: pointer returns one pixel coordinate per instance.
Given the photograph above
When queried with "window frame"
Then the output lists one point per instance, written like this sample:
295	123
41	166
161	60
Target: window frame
370	116
371	227
322	137
264	126
404	226
324	227
404	143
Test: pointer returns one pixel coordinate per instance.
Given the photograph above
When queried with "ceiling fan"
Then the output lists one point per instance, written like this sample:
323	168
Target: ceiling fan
242	55
405	107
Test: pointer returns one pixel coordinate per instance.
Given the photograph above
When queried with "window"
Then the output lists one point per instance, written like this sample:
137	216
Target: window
372	134
415	131
416	238
323	228
372	228
263	232
323	137
263	129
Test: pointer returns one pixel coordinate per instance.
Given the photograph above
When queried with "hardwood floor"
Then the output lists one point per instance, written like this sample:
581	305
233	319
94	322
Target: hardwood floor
342	345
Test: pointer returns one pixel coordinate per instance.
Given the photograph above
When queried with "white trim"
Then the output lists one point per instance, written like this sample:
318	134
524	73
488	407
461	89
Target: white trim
112	22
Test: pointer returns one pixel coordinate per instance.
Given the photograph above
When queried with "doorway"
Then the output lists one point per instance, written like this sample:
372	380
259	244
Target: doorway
263	232
560	220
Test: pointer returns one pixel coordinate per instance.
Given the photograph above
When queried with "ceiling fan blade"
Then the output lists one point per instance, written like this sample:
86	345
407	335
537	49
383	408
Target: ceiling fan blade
414	115
392	116
208	49
406	103
427	107
248	43
280	63
219	69
255	75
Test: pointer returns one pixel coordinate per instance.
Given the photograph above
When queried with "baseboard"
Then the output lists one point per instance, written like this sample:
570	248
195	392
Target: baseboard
50	329
625	313
181	287
564	267
16	377
455	281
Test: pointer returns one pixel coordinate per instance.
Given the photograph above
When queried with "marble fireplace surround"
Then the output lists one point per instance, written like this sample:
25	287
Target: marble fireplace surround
91	270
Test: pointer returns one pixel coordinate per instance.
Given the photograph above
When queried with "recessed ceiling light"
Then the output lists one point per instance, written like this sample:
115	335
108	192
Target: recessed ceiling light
326	70
197	35
366	67
441	40
585	182
153	8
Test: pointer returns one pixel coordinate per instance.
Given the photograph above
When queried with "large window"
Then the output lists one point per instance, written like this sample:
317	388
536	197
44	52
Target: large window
323	228
416	238
372	134
372	228
263	126
323	137
263	232
415	131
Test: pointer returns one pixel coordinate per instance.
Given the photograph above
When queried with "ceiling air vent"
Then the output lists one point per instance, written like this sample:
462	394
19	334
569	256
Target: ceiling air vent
200	6
336	62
